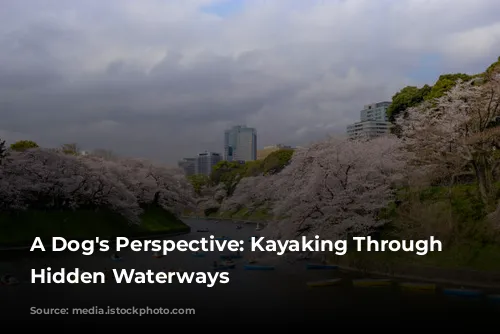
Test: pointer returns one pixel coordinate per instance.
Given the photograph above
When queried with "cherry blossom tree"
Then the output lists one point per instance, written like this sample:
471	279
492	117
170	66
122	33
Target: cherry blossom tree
45	179
211	197
3	150
335	188
457	133
151	183
49	179
251	193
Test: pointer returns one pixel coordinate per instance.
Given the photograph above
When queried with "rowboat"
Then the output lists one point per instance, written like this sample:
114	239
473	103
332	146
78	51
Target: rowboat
418	286
462	292
319	266
371	282
495	298
328	282
254	267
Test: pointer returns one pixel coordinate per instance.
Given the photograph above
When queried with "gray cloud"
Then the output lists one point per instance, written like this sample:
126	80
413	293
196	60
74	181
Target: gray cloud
162	79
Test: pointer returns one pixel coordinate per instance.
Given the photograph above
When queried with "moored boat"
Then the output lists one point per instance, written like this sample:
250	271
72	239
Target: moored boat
418	286
230	256
257	267
328	282
320	266
372	282
462	292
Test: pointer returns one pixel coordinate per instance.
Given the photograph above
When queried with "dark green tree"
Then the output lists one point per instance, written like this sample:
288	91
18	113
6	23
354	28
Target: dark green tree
276	161
23	145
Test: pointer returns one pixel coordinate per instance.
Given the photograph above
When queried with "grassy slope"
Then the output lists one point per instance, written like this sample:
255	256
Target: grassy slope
453	216
464	245
21	228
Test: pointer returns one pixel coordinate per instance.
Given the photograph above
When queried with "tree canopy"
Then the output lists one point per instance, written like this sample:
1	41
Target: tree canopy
22	145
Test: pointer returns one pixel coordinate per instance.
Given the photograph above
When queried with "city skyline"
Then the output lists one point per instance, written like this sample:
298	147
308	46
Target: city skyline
203	162
157	79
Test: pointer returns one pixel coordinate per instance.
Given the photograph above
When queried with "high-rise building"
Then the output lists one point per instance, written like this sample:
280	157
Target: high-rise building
373	122
205	161
240	143
188	165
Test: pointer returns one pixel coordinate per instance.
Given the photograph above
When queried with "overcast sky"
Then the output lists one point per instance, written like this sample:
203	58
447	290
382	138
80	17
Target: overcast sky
162	79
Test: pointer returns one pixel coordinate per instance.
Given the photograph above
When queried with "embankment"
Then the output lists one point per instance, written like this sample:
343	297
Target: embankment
19	229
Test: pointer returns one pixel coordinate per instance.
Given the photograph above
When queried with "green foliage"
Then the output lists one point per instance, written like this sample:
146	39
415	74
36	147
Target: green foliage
20	228
252	168
199	181
71	149
23	145
466	205
493	68
411	96
230	173
210	211
276	161
408	97
445	83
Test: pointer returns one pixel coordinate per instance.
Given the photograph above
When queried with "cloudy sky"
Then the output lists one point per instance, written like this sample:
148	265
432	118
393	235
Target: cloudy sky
162	79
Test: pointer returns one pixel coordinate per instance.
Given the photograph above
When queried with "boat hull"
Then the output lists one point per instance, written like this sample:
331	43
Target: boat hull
318	266
371	282
254	267
418	286
494	298
328	282
462	292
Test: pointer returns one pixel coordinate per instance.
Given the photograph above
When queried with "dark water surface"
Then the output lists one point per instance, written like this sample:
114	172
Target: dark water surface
251	297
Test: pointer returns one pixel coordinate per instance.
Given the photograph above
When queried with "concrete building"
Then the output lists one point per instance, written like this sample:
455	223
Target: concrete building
240	143
262	154
368	129
375	112
205	161
373	122
188	165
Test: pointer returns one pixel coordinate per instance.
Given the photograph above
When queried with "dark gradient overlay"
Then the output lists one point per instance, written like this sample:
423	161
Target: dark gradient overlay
251	297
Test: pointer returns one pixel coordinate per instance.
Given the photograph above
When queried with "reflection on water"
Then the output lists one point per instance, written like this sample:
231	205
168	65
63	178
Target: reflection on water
280	295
